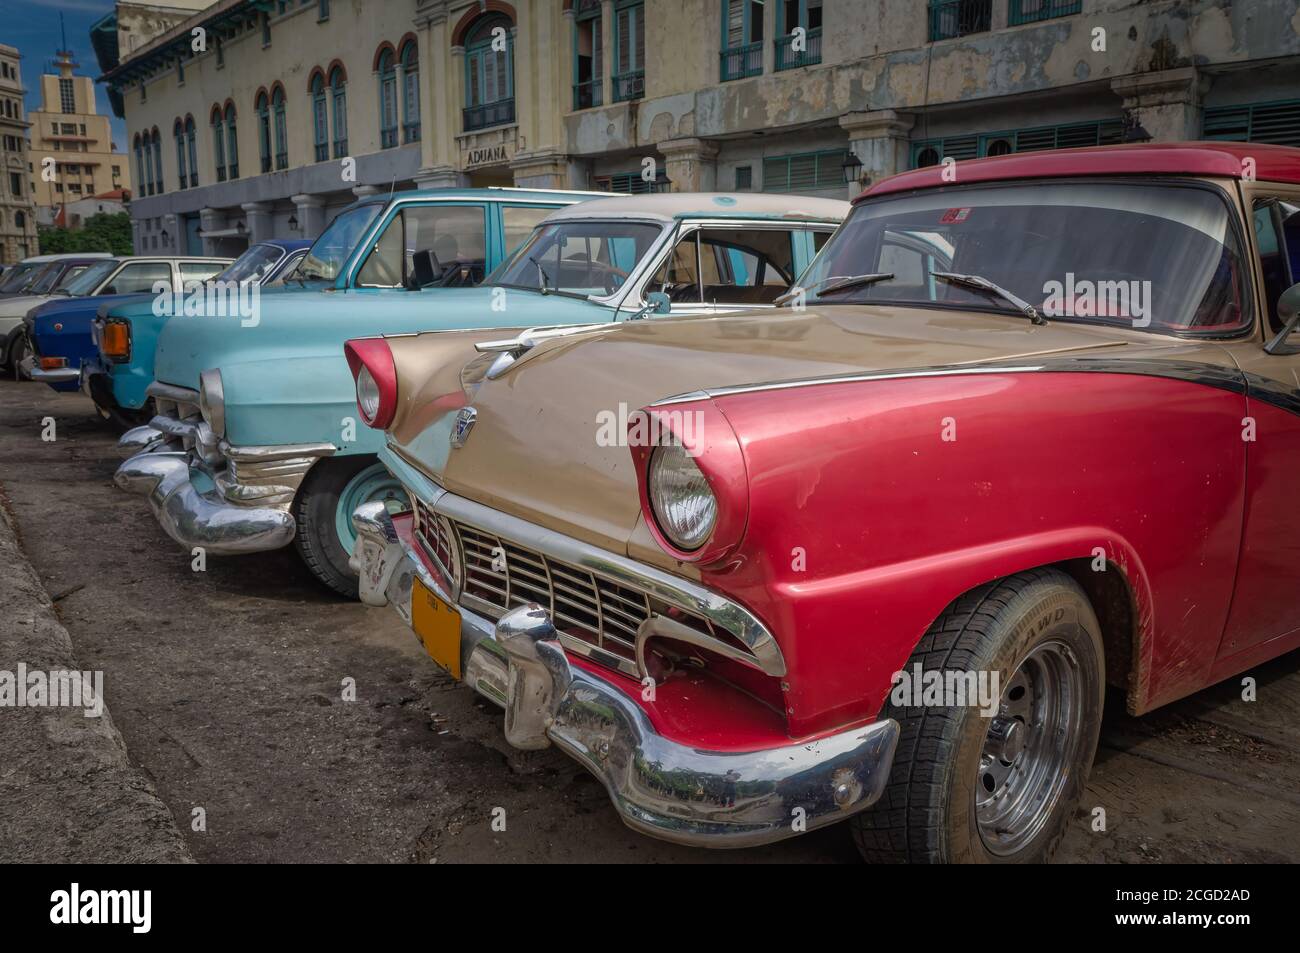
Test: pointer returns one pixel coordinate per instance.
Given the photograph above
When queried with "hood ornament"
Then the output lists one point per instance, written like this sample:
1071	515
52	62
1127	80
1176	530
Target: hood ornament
462	425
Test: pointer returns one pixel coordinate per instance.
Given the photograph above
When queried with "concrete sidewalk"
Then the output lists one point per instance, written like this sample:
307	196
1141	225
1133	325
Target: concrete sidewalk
67	791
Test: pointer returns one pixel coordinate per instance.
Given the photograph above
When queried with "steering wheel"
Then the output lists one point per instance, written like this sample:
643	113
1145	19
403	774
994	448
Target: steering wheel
611	276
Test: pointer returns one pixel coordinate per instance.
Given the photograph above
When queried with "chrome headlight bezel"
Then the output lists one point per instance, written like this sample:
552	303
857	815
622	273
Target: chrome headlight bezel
212	401
369	397
684	505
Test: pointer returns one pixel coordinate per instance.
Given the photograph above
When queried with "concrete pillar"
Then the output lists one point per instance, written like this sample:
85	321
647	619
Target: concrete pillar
1167	104
541	170
879	139
311	215
257	215
440	177
691	164
606	51
211	220
365	191
769	38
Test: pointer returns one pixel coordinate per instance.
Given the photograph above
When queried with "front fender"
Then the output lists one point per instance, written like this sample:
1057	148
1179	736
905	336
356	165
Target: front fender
308	399
875	504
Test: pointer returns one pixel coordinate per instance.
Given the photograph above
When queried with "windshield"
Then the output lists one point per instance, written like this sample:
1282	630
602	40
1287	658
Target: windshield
54	276
252	265
579	258
89	279
21	275
1162	257
328	253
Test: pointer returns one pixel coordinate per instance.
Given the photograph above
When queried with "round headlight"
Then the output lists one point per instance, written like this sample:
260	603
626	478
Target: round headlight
212	400
367	394
683	502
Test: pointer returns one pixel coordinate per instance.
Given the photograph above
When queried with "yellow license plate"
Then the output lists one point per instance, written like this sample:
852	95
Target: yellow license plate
438	626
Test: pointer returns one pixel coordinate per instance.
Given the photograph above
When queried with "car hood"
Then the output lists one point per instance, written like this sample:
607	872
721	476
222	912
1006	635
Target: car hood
19	305
87	307
534	450
314	324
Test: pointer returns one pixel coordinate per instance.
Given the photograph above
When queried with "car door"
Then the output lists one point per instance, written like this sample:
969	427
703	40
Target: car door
1265	605
138	277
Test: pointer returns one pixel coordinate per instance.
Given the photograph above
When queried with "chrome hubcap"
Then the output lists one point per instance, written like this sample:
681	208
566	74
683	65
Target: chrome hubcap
1029	748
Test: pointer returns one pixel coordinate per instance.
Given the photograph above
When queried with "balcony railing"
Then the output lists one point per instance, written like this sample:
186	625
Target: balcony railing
410	132
388	138
1027	11
266	163
950	18
489	114
322	151
741	61
340	148
787	57
588	94
282	160
194	180
629	86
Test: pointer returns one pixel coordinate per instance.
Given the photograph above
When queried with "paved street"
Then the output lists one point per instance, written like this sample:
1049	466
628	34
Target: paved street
226	686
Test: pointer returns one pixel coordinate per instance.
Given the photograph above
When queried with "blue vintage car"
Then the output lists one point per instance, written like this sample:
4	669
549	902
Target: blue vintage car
257	443
60	335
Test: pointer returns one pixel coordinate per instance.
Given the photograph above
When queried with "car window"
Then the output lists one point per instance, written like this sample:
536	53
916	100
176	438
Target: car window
50	280
729	266
90	278
1160	257
1277	235
139	277
429	246
256	262
199	270
20	276
330	251
578	258
518	222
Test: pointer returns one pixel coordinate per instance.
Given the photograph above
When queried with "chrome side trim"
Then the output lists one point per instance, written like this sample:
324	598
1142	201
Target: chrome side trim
1211	375
182	395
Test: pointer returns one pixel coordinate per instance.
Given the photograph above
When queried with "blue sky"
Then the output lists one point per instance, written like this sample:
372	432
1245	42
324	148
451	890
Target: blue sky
33	27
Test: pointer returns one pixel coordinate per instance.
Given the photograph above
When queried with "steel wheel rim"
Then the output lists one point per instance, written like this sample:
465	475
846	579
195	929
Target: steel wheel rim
374	483
1029	748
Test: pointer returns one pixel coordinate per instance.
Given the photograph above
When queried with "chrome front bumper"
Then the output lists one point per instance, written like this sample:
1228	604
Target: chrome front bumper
659	786
247	510
59	376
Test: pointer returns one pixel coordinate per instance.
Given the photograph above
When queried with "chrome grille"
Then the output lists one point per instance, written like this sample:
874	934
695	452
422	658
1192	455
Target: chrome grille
595	616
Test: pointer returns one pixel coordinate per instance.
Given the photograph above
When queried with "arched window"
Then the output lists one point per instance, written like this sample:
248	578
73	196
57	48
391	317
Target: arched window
489	73
146	183
193	150
157	161
387	70
232	142
264	129
20	220
178	133
410	58
141	180
339	100
279	124
219	143
320	123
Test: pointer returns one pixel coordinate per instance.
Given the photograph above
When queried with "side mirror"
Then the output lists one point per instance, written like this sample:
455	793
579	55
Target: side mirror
659	303
110	290
1288	309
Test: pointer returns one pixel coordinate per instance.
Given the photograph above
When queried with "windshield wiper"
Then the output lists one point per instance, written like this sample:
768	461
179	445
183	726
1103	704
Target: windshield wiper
541	274
979	283
842	283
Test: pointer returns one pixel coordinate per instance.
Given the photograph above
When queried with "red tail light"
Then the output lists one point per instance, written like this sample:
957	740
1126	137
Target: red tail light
705	433
377	386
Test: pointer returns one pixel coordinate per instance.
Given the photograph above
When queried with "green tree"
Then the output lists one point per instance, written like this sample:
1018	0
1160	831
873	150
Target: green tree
103	232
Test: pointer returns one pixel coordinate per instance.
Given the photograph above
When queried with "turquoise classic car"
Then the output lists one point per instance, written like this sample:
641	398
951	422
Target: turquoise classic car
257	442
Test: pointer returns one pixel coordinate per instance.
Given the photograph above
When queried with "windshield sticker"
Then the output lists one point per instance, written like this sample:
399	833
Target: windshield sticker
954	215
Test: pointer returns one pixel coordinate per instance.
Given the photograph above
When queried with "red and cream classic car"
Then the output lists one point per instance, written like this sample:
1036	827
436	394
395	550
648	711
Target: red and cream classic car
1027	428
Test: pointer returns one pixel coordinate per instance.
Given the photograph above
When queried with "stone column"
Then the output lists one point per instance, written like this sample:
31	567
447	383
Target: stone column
606	52
1166	104
440	177
258	217
211	220
691	164
880	140
544	169
311	215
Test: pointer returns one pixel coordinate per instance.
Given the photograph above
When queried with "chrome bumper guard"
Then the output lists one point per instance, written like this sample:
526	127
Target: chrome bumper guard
59	376
194	519
659	787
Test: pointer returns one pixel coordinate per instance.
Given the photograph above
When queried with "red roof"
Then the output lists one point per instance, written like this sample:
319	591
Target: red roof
1228	159
116	195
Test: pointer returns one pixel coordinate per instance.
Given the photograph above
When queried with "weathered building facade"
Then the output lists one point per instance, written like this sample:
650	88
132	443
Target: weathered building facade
293	108
17	210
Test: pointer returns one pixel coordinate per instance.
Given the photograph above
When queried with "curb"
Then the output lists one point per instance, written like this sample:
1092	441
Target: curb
68	793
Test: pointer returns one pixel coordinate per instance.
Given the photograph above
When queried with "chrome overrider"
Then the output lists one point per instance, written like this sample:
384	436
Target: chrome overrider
244	496
660	787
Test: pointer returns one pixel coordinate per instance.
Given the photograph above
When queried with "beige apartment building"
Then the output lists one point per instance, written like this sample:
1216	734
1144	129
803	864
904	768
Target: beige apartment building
72	150
253	119
17	211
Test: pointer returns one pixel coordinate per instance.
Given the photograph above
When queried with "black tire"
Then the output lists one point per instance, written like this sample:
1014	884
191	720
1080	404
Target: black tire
928	813
122	419
14	357
314	508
